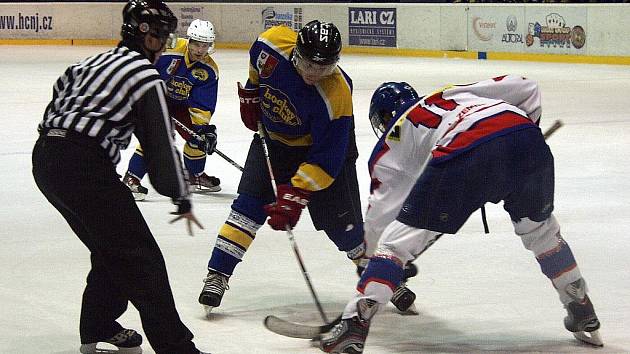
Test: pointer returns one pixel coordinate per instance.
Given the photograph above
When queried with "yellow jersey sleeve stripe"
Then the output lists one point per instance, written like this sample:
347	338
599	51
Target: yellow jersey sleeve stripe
235	235
199	116
311	177
304	140
336	93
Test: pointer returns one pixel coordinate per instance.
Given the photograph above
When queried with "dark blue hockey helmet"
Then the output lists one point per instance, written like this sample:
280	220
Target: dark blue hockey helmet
386	101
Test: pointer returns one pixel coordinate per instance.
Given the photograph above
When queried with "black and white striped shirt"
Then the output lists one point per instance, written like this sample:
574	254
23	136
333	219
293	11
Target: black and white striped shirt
108	97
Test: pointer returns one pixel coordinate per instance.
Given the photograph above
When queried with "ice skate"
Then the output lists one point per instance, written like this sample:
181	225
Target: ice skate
127	341
133	183
350	334
215	285
204	183
583	322
581	319
403	299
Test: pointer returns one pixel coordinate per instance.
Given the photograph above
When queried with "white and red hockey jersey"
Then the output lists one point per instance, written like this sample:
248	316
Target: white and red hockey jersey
440	126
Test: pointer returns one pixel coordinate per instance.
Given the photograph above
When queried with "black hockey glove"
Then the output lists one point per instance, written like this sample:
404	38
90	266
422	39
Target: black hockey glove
183	206
209	135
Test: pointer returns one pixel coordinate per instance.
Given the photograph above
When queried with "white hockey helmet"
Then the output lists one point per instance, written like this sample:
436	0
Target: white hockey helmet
202	31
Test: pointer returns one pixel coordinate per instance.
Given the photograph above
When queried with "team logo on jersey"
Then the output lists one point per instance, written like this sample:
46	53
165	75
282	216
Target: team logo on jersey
172	67
199	74
266	64
278	107
178	88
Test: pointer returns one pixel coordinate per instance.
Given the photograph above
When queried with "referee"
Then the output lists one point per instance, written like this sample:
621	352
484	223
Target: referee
96	105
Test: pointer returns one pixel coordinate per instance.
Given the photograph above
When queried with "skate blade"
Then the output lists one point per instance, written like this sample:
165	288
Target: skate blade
592	338
109	348
411	311
205	190
208	310
138	197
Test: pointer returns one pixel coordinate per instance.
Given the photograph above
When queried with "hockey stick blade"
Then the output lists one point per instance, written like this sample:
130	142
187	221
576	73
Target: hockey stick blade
297	330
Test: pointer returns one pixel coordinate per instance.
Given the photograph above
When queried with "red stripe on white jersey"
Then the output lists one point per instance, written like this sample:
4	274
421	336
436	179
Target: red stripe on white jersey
489	126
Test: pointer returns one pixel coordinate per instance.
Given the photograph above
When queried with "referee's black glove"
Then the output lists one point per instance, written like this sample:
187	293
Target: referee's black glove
183	206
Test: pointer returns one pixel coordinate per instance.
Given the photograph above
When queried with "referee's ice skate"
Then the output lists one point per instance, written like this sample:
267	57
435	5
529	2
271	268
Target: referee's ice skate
127	341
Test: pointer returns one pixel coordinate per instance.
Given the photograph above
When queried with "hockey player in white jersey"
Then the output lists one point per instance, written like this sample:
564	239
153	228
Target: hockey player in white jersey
442	156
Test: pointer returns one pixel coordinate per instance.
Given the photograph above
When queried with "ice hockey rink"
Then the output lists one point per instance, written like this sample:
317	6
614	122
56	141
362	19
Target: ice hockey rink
477	293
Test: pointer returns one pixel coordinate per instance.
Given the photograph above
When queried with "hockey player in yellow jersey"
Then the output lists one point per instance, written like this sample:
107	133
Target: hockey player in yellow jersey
191	77
304	101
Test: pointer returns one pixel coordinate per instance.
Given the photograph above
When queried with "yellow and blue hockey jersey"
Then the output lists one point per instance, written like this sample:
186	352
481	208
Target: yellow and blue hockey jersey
192	85
296	114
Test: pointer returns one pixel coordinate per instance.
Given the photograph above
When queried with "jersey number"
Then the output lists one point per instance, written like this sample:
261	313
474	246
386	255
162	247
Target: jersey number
425	117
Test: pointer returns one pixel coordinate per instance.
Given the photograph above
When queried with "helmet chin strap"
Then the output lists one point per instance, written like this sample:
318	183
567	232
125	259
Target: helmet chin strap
150	54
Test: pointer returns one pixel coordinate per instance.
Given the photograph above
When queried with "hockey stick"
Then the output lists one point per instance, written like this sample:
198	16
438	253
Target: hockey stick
552	129
297	330
296	251
199	137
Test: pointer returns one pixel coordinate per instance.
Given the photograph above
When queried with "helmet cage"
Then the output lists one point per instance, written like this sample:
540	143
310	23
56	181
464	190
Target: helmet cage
387	101
380	122
308	67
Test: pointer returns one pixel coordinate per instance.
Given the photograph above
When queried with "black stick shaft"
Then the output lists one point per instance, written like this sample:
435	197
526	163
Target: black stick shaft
199	137
296	250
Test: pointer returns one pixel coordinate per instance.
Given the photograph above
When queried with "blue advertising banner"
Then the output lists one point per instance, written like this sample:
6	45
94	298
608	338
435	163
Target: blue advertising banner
375	27
282	15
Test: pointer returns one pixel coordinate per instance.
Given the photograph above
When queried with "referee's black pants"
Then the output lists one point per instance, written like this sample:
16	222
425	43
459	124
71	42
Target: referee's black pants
127	265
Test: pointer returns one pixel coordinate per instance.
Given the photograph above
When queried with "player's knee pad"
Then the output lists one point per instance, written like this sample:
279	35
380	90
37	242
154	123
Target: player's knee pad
538	236
349	240
404	242
250	207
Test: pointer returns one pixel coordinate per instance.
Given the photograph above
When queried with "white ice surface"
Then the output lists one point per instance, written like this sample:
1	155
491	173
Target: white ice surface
476	293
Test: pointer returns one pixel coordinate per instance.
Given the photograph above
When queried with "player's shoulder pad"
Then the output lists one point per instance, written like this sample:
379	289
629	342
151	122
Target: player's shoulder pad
211	64
281	39
336	90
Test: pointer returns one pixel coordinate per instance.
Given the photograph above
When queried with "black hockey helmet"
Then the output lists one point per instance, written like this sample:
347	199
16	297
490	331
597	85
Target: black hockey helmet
319	42
141	17
387	100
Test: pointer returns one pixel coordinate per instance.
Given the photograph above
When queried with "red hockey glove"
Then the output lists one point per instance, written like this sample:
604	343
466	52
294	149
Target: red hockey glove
250	106
287	209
